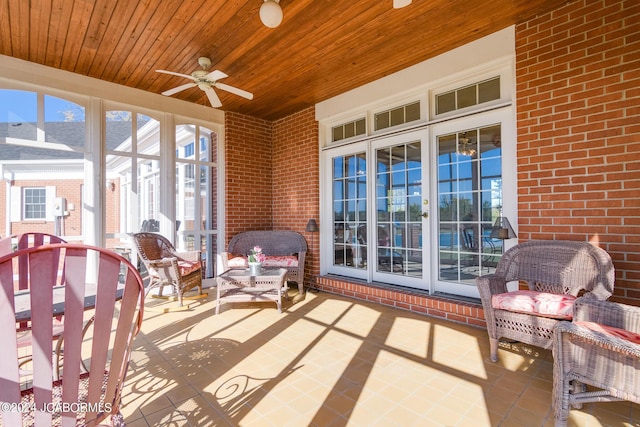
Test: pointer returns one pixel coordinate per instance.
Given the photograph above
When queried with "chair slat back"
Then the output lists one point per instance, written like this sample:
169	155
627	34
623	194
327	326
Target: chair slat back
153	246
5	245
559	266
33	239
271	242
106	348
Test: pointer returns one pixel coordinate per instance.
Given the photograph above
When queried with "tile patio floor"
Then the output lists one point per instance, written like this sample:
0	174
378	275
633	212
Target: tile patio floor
332	361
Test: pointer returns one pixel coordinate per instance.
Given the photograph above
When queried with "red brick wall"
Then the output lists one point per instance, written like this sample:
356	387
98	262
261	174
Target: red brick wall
272	179
296	179
248	175
578	106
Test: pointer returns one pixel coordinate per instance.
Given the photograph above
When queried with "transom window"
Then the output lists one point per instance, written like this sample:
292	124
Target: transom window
397	116
349	130
468	96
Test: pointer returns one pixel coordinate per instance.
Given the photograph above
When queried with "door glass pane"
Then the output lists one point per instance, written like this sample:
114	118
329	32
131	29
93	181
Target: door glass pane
350	211
470	199
399	209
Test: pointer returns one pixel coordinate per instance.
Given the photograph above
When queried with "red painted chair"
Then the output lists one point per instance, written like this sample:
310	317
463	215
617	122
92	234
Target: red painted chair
33	239
28	240
93	280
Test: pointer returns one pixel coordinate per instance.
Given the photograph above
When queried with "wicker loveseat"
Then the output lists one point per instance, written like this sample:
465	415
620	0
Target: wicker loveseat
286	249
555	272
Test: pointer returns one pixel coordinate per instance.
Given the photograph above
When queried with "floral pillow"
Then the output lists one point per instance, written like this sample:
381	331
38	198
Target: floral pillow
611	331
240	261
556	306
237	261
281	261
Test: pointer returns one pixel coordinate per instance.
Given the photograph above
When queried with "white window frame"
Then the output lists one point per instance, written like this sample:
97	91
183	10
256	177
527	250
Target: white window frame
26	204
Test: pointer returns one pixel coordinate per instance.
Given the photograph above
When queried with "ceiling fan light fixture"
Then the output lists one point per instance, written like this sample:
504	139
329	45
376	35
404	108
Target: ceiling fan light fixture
399	4
271	13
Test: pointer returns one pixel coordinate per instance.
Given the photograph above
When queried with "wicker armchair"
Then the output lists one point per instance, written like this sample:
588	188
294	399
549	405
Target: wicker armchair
553	267
588	354
166	266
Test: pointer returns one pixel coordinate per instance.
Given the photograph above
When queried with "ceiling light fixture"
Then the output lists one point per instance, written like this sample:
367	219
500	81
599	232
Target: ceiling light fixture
399	4
465	146
271	13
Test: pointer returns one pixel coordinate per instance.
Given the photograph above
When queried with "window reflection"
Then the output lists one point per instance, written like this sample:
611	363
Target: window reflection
350	210
470	198
399	209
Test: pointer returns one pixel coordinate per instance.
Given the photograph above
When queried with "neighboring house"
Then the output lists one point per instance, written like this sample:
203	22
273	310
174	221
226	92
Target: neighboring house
43	187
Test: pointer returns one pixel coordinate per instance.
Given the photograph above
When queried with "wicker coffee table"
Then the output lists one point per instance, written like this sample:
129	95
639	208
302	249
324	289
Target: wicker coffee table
237	285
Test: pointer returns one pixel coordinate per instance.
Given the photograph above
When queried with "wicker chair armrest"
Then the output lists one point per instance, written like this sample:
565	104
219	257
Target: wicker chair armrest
162	263
192	256
491	284
224	259
166	268
607	313
565	329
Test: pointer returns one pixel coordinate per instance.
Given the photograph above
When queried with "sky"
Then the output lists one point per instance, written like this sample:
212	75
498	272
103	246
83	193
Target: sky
21	106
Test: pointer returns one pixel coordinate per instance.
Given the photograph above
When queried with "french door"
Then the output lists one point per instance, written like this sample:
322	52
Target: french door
470	192
380	210
401	210
417	209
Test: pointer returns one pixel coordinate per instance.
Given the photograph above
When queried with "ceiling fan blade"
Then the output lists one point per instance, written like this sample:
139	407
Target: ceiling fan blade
235	90
216	75
176	74
213	97
178	89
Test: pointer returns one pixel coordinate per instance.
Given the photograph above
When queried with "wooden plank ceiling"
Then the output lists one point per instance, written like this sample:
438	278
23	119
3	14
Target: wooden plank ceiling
321	49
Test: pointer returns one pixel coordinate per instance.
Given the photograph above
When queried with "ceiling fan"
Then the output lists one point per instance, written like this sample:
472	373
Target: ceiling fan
206	81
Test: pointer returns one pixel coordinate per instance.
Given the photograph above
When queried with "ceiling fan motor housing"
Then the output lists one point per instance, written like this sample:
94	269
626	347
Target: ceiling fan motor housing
200	75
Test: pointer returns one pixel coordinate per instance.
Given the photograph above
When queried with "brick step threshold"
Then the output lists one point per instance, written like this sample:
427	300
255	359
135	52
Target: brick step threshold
444	306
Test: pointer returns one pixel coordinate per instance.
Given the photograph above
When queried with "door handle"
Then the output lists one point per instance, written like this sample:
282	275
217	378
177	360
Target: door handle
425	214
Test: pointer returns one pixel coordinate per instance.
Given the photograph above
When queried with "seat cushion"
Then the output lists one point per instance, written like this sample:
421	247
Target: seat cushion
556	306
187	267
611	331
